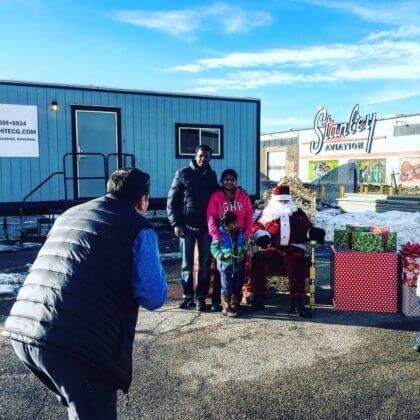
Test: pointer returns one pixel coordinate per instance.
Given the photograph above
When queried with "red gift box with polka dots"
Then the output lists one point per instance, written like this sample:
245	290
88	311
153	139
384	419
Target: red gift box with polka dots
365	281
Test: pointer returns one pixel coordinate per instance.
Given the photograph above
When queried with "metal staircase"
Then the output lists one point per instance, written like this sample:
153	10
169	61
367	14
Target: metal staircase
38	230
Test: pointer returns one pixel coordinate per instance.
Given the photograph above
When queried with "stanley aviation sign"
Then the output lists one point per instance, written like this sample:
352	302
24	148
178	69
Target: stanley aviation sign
334	136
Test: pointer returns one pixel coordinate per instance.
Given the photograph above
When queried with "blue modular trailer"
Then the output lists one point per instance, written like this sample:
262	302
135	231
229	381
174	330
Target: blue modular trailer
58	143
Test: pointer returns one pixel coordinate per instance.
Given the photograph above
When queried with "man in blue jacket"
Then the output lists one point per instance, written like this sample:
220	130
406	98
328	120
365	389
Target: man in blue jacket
73	322
188	198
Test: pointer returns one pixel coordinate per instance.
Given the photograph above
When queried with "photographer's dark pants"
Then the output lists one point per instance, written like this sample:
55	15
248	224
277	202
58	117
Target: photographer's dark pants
75	386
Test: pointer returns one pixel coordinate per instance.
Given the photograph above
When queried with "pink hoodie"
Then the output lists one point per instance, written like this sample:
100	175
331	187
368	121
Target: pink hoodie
241	206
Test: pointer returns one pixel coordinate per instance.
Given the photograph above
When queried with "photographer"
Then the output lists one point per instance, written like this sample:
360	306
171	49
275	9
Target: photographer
73	323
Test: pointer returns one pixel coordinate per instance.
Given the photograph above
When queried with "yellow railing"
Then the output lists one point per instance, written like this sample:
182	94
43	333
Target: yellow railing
388	189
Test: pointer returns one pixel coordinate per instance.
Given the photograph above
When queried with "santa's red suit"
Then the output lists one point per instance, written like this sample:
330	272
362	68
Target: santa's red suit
285	228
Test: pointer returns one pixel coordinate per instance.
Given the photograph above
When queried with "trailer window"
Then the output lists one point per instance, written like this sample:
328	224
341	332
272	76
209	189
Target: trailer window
188	137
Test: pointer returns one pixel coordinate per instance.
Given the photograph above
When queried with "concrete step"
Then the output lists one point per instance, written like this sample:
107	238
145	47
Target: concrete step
363	197
353	202
382	208
404	198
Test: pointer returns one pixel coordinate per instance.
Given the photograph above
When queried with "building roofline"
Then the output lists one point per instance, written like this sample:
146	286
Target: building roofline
126	91
292	130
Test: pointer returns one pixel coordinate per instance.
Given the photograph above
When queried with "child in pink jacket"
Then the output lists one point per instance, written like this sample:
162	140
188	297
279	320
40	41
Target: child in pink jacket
229	198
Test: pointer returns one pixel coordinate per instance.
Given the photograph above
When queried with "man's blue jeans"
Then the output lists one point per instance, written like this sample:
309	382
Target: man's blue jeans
187	245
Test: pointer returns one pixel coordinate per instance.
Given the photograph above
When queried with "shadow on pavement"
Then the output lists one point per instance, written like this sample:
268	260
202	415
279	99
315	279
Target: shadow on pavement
277	307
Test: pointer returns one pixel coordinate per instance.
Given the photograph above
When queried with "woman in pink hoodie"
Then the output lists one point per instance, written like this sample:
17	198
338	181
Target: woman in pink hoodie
229	198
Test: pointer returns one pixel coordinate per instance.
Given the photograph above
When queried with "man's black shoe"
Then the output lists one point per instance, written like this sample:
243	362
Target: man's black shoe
187	303
201	304
215	307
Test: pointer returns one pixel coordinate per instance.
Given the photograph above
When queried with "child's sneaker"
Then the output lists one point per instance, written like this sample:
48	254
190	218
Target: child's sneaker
227	310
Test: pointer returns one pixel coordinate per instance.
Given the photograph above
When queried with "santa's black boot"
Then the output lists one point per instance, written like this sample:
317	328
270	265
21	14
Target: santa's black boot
292	307
300	307
258	304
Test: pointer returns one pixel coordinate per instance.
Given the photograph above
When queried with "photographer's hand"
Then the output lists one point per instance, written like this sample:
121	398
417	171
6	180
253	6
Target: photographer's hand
179	231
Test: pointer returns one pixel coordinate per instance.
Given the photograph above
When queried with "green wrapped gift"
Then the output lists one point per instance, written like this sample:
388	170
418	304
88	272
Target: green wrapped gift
391	242
367	242
341	238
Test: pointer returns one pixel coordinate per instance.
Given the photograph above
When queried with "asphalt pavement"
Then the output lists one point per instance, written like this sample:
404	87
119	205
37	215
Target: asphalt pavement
264	365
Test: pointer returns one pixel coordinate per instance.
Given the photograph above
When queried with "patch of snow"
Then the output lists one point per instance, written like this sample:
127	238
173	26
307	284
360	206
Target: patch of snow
7	289
159	214
322	217
11	282
18	247
405	224
170	256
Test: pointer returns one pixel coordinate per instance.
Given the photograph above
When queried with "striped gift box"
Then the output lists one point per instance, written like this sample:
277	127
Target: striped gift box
409	305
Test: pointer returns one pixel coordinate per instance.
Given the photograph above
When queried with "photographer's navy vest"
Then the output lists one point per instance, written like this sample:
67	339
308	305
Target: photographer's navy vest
77	298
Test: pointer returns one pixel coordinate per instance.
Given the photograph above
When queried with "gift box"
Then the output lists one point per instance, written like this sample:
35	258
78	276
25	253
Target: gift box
411	263
367	242
409	304
341	238
365	281
365	238
410	270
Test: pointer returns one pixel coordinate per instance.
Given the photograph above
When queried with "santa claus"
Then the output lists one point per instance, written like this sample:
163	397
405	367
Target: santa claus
281	230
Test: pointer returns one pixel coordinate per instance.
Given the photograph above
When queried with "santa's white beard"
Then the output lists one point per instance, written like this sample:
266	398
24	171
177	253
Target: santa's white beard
275	209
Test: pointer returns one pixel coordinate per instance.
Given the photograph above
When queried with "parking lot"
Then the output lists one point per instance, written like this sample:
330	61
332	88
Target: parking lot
262	365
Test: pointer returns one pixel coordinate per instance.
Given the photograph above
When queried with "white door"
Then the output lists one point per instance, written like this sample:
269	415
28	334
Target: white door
96	132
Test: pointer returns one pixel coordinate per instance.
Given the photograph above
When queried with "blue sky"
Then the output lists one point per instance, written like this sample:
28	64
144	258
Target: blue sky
294	55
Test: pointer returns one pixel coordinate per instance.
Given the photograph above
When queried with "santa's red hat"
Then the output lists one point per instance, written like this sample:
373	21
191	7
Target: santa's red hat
281	192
